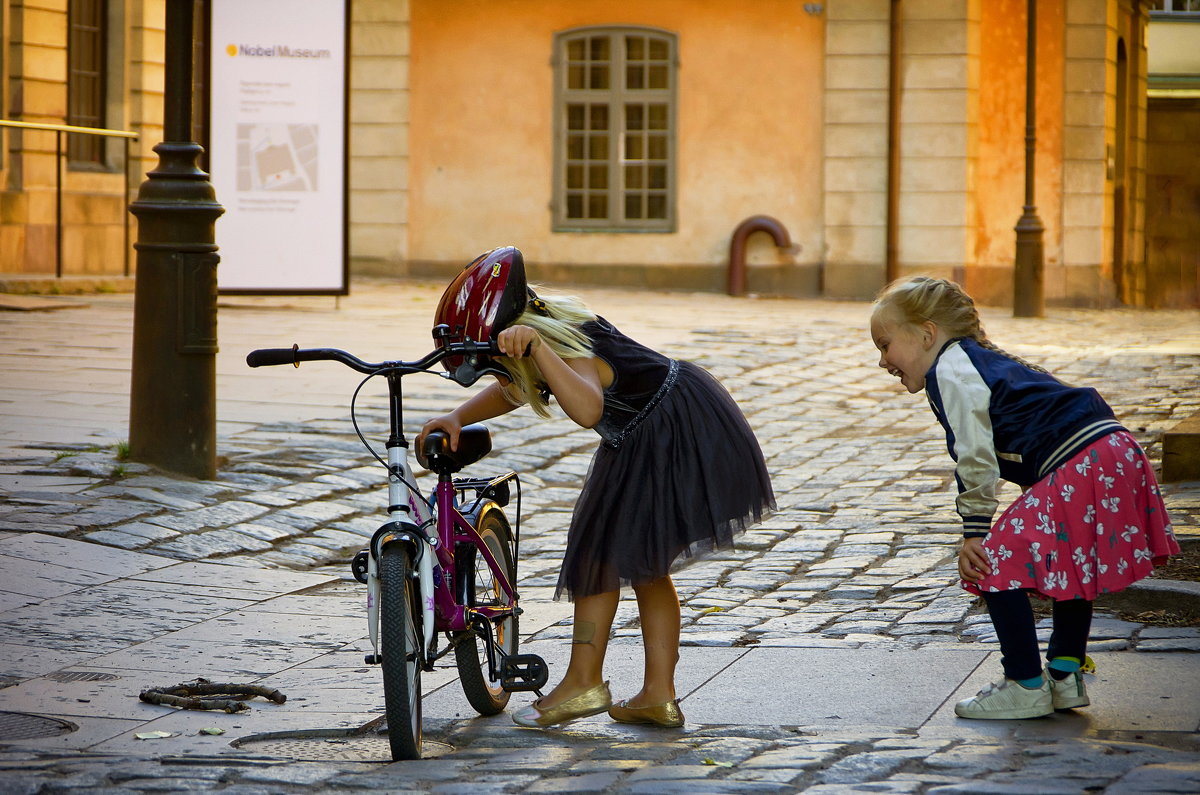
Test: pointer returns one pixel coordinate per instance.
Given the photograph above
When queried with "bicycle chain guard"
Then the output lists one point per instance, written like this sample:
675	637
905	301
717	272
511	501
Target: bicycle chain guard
523	672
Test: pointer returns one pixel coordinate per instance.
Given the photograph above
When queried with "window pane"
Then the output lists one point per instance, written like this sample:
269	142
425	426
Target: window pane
658	177
659	50
598	77
658	76
599	48
633	206
597	206
575	75
635	48
598	147
656	206
658	147
575	147
575	117
633	117
575	176
574	205
658	117
633	147
575	50
598	177
633	177
635	77
599	115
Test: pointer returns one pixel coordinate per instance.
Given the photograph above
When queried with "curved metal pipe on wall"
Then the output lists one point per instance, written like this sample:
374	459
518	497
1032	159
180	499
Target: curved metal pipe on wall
737	247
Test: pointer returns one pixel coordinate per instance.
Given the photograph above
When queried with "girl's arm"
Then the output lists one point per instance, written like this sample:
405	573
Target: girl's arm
487	403
575	383
966	400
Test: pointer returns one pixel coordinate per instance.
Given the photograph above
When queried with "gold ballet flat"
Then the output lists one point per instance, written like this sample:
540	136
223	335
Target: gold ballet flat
667	715
589	702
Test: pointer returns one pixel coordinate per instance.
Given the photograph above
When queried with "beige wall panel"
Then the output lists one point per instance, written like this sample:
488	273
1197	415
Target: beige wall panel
854	140
1087	42
933	245
932	106
855	175
855	244
856	107
42	101
935	37
857	10
936	71
378	206
379	107
858	38
1090	12
378	72
482	133
380	38
373	11
379	173
933	209
1087	110
933	174
937	9
1083	245
1084	210
1085	142
948	141
855	72
860	208
1087	77
380	242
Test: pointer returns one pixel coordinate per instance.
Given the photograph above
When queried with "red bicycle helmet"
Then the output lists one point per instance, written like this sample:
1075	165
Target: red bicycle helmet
484	299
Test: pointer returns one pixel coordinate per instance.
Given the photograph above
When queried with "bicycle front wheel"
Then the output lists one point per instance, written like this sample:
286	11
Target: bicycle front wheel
401	641
484	693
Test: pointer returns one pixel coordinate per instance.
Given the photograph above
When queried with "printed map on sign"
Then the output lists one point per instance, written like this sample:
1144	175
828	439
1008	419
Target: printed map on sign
280	157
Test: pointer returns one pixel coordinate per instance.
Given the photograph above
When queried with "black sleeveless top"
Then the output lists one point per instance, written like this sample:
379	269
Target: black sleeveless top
641	378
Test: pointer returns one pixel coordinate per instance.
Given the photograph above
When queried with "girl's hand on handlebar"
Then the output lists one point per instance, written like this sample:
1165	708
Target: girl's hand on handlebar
518	341
446	423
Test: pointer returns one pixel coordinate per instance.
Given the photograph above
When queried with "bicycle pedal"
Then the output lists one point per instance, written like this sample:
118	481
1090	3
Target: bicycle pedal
522	672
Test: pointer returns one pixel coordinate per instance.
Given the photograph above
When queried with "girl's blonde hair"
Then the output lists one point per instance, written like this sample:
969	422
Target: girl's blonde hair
556	318
945	303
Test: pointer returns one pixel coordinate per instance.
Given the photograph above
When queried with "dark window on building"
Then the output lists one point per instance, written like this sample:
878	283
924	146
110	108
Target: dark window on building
615	130
87	57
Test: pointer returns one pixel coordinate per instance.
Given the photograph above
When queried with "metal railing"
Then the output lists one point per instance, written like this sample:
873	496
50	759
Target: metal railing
60	130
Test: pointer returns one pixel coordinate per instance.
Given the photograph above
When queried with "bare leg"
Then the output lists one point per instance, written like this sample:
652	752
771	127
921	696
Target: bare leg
593	623
658	606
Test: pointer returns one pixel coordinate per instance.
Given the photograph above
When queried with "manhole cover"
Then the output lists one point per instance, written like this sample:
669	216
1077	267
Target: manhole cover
23	726
81	676
330	745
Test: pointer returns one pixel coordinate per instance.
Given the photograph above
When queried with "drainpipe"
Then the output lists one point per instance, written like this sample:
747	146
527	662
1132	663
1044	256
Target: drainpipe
737	247
892	260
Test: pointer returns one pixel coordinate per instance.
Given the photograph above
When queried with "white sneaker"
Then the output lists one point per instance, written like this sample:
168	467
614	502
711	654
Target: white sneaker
1068	693
1007	700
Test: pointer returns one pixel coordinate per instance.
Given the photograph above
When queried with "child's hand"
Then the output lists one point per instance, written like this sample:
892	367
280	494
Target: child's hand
447	423
518	341
972	560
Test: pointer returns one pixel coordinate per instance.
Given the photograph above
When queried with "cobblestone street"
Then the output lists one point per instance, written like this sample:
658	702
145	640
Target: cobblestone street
860	556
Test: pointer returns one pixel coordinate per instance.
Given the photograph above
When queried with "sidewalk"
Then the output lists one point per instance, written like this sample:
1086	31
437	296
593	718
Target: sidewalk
824	654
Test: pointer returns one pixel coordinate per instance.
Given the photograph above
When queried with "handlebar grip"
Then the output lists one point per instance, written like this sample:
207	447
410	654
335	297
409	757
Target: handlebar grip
264	357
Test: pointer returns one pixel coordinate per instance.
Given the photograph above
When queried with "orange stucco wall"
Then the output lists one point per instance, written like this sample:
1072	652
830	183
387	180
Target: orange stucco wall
1000	169
749	120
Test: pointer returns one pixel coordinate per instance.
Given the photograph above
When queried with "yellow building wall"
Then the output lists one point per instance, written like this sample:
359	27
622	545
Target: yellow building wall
1000	170
749	129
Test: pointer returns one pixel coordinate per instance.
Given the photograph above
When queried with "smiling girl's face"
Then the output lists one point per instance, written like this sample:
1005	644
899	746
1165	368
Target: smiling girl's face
906	351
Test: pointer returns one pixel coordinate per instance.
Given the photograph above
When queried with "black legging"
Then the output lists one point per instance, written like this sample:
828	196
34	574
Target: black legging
1012	616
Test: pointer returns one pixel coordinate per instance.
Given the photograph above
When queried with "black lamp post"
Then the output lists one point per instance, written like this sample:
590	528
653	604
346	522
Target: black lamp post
173	396
1028	269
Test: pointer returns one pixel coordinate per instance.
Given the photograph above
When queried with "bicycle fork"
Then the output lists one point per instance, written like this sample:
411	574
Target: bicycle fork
409	516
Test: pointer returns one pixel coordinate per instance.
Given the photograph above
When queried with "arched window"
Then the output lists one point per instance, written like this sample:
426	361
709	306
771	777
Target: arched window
614	147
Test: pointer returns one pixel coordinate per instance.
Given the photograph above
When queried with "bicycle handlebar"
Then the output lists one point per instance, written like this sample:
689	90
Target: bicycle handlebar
266	357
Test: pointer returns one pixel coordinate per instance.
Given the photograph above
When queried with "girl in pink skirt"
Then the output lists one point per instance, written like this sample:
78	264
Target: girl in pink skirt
1090	521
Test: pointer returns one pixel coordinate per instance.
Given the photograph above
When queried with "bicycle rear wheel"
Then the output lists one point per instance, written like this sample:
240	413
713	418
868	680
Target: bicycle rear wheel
483	590
401	642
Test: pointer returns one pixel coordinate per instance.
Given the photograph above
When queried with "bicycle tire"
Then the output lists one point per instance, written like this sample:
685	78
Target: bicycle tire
401	644
485	694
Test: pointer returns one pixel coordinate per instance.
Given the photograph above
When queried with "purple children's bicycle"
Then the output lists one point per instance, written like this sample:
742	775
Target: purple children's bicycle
446	565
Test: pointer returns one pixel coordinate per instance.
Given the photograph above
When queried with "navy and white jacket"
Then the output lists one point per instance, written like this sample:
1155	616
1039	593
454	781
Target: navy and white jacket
1006	420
